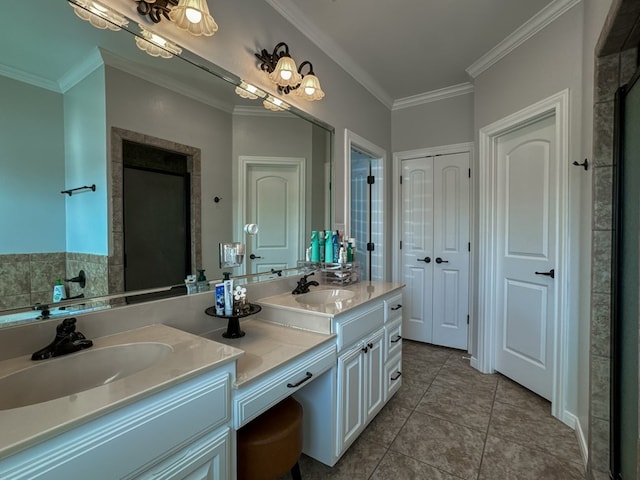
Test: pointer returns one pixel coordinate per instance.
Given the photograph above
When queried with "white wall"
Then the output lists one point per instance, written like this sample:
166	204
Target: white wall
434	124
86	164
27	147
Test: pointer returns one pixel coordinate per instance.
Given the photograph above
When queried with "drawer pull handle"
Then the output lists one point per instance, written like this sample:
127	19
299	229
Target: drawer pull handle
398	375
397	307
294	385
397	339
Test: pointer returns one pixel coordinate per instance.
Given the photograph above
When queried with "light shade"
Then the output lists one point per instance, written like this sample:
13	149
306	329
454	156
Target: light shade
274	104
194	17
309	88
246	90
98	15
286	73
155	45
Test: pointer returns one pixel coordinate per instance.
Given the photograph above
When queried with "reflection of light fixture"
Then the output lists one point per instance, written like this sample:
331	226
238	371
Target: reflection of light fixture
155	45
98	15
274	104
190	15
194	17
246	90
282	71
309	88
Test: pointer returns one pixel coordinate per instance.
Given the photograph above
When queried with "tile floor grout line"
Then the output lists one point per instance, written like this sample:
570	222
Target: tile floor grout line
486	435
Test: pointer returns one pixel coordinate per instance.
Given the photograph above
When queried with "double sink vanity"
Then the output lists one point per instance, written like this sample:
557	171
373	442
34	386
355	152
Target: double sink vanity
157	401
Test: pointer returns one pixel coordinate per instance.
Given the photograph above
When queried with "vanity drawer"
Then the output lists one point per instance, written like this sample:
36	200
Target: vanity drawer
393	308
393	338
354	328
392	377
259	396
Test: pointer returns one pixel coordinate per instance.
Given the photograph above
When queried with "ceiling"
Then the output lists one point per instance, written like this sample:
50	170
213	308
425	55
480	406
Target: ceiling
403	51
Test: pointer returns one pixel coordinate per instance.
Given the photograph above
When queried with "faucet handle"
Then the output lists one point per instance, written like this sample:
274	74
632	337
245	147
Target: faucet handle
67	326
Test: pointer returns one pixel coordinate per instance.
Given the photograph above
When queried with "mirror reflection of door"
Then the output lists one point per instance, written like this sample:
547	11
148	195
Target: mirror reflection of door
274	203
366	212
157	243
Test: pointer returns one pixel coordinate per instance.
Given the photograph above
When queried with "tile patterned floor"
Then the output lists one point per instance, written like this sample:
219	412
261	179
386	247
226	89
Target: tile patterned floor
450	422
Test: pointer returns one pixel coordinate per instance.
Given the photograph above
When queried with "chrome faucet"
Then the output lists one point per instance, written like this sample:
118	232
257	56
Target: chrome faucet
67	341
303	285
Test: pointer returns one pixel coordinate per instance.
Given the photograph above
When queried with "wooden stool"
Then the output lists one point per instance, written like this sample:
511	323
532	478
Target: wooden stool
270	445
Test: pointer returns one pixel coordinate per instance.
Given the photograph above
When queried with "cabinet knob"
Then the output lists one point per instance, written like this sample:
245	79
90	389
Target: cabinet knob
365	349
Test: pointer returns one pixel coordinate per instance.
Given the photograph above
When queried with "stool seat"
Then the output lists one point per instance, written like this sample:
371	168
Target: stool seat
270	445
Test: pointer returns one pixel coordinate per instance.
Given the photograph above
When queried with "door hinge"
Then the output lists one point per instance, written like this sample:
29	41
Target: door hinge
400	179
469	247
370	247
469	173
400	244
371	179
467	319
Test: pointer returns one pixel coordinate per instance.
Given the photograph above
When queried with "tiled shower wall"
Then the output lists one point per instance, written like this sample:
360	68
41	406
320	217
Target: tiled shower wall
26	279
616	63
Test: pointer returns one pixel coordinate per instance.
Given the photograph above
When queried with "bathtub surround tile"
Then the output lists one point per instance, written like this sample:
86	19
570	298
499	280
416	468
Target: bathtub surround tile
503	459
629	57
603	134
451	448
601	261
15	277
600	386
534	426
602	198
599	438
395	466
601	324
607	75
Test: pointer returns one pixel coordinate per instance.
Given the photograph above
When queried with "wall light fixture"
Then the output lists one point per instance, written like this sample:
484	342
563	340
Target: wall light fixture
98	15
155	45
246	90
190	15
282	71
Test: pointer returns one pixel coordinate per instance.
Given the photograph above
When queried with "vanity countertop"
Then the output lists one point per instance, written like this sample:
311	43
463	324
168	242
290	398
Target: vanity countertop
268	346
190	355
363	292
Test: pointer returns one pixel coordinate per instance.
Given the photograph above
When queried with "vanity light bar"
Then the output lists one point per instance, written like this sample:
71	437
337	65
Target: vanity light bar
246	90
155	45
274	104
98	15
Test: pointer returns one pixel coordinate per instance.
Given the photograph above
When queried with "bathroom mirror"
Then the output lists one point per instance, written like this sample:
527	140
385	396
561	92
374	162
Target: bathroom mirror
156	141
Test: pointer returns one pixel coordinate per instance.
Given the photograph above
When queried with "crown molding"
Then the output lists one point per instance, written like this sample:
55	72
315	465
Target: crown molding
35	80
81	70
433	96
291	12
523	33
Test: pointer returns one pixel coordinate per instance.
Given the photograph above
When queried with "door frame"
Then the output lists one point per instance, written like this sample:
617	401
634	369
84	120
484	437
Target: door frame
239	203
398	157
557	105
353	140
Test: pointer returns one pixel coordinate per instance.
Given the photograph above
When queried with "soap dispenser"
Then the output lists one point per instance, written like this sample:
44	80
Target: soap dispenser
201	281
59	292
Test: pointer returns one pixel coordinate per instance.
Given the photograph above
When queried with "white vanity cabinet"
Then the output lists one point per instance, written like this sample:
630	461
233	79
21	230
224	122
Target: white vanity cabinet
183	432
393	345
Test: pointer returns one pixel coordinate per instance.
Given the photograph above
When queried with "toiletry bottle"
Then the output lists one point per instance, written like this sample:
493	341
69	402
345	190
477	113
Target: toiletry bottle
315	247
59	292
349	251
321	245
201	282
228	293
336	247
328	247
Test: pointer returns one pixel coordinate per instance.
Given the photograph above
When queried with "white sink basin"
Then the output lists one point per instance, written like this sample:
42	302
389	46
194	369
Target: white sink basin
63	376
324	297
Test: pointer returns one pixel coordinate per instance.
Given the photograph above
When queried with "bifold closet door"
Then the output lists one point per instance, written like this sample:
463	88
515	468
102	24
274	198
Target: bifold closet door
435	248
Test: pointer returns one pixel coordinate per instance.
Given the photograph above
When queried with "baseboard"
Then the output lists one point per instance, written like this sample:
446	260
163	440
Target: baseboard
474	363
573	421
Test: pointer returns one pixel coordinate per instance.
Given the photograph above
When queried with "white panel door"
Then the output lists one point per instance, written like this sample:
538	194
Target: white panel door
273	203
417	248
435	256
527	199
451	250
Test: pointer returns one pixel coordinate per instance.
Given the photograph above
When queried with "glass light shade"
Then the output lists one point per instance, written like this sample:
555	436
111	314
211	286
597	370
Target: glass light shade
286	73
156	46
246	90
309	88
274	104
98	15
194	17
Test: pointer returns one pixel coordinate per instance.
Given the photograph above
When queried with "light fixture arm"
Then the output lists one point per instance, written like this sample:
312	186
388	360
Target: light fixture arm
270	60
310	72
157	9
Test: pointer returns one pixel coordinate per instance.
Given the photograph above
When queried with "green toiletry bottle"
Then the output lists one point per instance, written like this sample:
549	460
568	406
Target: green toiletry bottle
328	247
201	281
315	247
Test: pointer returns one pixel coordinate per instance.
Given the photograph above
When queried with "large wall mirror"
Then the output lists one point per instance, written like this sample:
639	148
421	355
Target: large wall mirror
176	163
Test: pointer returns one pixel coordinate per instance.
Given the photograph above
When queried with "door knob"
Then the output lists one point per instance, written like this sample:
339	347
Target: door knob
425	259
551	273
439	260
253	257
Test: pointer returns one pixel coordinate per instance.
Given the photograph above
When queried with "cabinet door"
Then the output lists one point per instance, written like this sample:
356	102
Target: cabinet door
374	358
351	414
